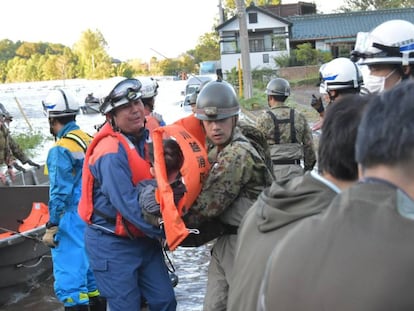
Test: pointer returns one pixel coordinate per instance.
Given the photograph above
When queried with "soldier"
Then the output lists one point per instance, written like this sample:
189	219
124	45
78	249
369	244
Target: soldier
9	149
237	176
358	254
287	132
282	206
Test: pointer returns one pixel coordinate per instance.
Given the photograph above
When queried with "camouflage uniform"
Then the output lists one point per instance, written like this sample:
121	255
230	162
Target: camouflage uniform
9	149
286	150
236	178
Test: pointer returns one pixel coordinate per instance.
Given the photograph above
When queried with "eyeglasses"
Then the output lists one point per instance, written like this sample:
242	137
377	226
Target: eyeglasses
128	89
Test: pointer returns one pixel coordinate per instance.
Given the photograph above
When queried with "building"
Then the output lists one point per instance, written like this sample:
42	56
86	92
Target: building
274	31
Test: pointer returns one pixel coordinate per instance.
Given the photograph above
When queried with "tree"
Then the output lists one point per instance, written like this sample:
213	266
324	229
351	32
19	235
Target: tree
7	49
364	5
207	48
94	61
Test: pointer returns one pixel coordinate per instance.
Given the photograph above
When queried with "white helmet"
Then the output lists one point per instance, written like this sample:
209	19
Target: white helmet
391	42
149	87
125	91
340	73
60	103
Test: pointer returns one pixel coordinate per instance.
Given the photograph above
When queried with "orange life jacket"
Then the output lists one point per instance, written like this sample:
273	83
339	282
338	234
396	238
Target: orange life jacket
140	170
194	127
151	124
39	216
193	172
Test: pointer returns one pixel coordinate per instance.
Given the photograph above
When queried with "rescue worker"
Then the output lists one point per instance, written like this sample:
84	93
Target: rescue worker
287	132
9	149
338	77
237	176
124	250
388	51
75	284
282	206
358	255
149	91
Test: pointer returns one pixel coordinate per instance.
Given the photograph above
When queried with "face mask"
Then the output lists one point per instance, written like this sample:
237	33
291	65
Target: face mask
376	84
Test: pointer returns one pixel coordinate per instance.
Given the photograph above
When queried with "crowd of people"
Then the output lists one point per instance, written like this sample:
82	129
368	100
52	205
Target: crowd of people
326	229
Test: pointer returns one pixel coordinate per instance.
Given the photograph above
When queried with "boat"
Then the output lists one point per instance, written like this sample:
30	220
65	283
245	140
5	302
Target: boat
91	104
25	177
24	260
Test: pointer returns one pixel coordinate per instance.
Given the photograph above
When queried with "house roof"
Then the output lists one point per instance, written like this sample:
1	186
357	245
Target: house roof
258	9
342	25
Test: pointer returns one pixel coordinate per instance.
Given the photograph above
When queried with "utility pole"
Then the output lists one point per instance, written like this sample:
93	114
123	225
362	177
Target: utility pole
244	49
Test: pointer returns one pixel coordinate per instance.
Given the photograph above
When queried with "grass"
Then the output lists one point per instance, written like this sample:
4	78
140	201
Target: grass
29	142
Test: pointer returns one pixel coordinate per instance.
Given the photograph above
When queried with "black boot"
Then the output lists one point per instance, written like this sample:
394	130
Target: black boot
78	308
97	303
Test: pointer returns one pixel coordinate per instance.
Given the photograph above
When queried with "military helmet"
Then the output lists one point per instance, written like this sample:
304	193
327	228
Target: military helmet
391	42
60	103
278	87
217	101
125	91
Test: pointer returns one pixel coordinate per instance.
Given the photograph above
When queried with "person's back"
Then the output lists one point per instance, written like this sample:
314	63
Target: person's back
285	204
288	133
358	255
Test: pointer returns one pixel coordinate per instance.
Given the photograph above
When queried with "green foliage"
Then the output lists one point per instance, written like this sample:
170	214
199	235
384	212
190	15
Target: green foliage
207	48
304	55
28	142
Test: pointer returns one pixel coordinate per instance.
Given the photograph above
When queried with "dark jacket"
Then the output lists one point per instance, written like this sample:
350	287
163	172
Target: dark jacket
358	255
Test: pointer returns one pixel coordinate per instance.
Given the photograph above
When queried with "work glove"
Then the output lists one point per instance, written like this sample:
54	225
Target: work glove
30	162
149	206
49	237
317	104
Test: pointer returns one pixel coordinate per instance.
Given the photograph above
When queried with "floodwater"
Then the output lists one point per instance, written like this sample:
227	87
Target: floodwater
23	101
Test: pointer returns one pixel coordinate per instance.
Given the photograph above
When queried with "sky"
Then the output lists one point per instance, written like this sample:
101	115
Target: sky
132	28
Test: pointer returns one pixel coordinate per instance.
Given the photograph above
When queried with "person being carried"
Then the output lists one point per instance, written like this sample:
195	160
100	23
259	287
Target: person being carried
9	149
174	160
